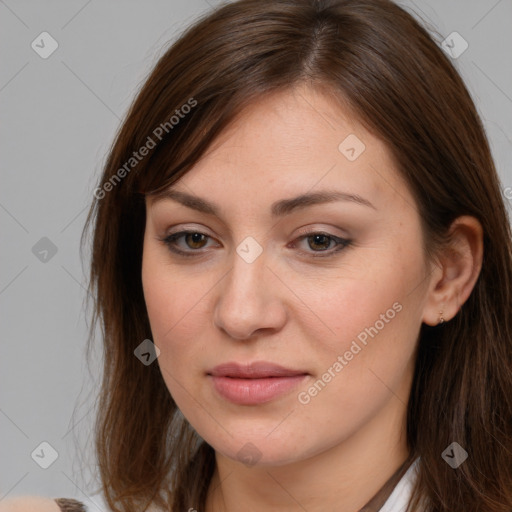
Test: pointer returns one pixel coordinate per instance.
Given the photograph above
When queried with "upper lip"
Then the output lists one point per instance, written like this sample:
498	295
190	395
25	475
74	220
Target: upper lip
254	370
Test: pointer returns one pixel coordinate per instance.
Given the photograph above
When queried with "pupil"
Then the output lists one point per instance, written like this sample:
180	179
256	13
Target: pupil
324	237
196	237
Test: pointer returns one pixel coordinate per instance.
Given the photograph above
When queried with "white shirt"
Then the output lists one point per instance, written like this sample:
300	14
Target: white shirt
399	498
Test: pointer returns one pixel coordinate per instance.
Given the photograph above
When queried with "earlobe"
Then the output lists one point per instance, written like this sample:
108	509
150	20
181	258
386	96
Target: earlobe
441	317
458	268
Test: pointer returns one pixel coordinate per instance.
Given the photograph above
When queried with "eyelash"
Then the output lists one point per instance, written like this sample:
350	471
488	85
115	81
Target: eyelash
342	243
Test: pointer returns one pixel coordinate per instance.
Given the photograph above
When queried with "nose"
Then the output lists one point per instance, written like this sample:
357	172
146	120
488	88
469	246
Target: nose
248	299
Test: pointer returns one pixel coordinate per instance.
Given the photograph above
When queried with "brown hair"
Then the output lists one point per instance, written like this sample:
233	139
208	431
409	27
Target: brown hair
374	58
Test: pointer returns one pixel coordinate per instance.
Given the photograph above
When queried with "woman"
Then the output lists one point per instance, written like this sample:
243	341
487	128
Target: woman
303	264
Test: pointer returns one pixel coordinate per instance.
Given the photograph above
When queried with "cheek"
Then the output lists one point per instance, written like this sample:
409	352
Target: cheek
176	314
380	293
366	323
174	308
177	305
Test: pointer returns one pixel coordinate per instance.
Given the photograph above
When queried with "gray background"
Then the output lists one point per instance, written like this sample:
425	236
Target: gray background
59	116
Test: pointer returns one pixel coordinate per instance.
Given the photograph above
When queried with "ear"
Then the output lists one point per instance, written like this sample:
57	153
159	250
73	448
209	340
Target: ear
456	272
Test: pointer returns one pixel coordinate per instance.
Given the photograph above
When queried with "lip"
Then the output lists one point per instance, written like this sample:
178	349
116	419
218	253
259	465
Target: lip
254	383
254	370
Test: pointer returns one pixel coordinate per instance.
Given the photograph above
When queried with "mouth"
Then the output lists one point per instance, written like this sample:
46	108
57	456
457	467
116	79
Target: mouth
254	383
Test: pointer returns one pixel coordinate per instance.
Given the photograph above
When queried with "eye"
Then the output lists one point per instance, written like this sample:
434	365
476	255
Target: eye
193	240
319	242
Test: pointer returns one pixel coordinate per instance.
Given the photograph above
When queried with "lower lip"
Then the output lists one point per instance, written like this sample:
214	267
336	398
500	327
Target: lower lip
254	391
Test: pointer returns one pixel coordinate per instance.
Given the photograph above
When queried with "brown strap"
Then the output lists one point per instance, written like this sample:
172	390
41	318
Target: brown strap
378	500
68	505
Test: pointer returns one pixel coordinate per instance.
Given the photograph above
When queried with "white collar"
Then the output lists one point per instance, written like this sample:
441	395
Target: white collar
399	498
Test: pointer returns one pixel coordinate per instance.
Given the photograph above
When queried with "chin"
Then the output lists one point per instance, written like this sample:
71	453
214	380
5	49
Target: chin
261	450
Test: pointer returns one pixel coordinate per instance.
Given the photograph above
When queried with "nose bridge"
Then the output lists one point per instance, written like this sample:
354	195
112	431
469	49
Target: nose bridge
248	263
244	303
247	277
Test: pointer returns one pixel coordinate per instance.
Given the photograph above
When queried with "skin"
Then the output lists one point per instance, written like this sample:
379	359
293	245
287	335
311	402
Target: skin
297	310
28	504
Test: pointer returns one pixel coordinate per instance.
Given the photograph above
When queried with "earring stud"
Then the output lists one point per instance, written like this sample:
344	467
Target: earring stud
441	319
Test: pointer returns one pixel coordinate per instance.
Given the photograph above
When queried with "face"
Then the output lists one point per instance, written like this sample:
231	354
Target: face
331	291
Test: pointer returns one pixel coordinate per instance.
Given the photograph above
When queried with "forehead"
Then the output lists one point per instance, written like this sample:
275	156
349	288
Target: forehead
289	143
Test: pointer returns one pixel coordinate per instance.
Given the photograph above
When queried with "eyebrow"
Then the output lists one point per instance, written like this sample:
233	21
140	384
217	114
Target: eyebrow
278	209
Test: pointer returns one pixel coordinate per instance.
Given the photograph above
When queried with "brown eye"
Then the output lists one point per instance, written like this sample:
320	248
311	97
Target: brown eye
319	241
195	240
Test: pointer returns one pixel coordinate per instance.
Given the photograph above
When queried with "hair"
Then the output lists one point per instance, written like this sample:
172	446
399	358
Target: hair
377	61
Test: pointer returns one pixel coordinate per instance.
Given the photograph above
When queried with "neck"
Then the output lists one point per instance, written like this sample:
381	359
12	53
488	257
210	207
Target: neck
342	478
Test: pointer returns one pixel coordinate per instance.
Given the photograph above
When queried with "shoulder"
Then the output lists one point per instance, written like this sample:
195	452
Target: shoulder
29	504
39	504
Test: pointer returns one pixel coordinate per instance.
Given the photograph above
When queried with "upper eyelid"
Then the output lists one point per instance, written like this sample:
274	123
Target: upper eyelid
302	231
186	230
